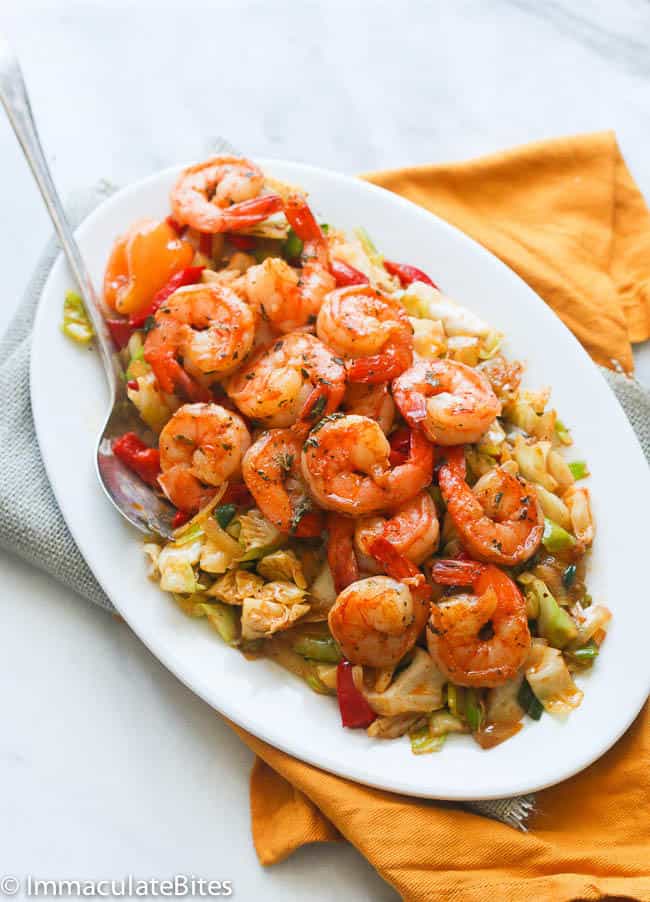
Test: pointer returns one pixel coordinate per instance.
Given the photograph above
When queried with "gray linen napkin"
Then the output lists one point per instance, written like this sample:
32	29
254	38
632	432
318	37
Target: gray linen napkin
32	526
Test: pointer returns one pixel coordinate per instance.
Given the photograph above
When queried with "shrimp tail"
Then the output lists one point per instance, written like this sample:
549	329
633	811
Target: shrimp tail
453	457
171	377
399	567
390	364
420	452
340	551
456	573
302	220
248	213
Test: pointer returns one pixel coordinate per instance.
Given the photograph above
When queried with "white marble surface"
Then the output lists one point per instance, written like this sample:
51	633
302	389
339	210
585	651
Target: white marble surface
107	764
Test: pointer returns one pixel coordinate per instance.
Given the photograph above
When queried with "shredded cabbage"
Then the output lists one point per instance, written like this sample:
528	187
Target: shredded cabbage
531	459
322	590
502	705
282	592
282	564
257	536
152	553
428	338
551	681
590	620
427	302
392	727
416	688
523	414
154	407
220	551
176	565
262	618
235	586
553	506
464	348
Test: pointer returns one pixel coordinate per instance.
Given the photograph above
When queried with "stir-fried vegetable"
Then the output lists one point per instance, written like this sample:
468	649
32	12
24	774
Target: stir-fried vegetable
137	456
76	324
579	469
368	246
473	710
584	656
556	538
423	743
318	648
224	514
553	622
354	708
529	701
292	246
550	680
408	274
563	434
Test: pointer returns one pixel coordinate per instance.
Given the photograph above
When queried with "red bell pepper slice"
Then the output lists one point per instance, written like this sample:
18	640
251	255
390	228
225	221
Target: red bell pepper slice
408	274
238	494
137	456
354	708
188	276
180	519
121	330
242	242
346	274
205	243
133	385
310	525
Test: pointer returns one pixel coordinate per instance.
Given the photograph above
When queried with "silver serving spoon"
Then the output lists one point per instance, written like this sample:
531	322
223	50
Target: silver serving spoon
133	498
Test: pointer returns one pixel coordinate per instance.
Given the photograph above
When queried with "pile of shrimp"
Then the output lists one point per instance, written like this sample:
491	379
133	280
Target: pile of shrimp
417	498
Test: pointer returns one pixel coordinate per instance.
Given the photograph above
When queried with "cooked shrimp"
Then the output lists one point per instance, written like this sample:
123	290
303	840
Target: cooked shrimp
222	194
500	520
413	529
290	299
200	448
374	329
479	639
207	327
271	470
287	298
376	621
452	402
373	401
345	462
296	377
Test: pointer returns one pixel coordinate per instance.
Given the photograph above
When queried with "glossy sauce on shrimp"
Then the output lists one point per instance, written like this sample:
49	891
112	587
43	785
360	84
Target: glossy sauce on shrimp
203	332
201	447
290	379
373	329
346	464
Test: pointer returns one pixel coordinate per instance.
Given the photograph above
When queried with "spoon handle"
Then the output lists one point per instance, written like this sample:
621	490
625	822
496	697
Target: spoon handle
15	100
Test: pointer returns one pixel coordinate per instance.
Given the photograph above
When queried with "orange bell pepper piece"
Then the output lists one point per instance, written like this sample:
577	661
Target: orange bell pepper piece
141	262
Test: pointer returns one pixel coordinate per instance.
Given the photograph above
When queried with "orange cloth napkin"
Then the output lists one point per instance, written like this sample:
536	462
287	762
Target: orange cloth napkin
568	217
